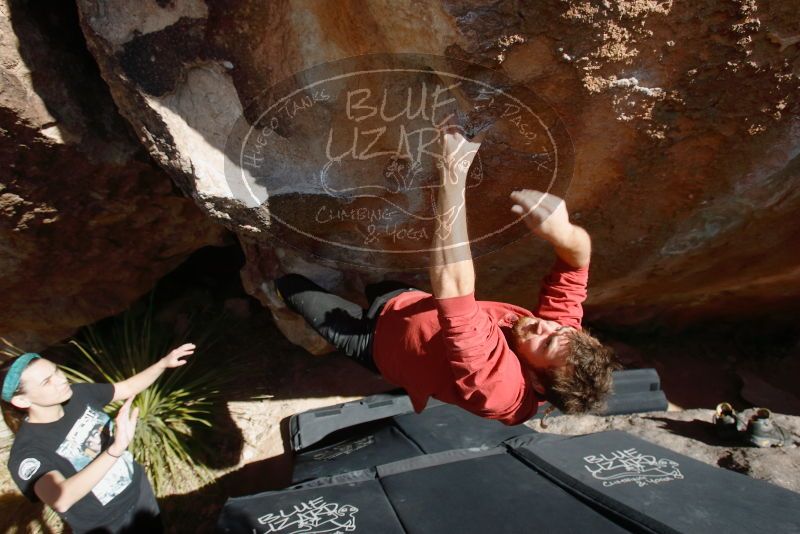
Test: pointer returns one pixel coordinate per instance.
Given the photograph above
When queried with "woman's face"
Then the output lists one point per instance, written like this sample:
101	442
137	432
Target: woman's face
43	384
94	441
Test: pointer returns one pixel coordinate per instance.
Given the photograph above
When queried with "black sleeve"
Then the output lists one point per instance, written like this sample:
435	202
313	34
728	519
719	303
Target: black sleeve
27	465
100	394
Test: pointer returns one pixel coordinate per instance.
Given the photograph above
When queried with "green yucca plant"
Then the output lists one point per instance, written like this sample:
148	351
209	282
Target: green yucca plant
8	349
174	408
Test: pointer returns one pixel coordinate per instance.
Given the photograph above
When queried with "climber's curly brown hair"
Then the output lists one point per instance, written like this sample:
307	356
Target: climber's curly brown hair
584	383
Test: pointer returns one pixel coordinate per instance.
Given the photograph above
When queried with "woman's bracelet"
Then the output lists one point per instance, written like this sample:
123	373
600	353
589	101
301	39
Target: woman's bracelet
113	455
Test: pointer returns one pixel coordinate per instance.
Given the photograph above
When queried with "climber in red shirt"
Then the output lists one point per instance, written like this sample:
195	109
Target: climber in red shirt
493	359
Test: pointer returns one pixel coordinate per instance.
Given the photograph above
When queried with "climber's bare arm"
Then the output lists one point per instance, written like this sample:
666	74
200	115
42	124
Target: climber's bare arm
547	217
452	272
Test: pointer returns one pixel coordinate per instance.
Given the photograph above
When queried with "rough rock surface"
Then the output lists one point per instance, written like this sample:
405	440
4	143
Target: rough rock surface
685	123
88	222
691	433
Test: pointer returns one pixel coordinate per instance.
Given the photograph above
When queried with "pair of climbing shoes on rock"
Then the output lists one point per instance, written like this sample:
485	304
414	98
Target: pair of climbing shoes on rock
758	429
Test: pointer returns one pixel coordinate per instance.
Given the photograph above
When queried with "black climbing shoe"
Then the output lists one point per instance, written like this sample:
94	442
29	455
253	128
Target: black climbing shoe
763	432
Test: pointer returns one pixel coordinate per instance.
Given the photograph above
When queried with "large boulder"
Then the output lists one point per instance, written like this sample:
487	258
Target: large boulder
677	130
88	222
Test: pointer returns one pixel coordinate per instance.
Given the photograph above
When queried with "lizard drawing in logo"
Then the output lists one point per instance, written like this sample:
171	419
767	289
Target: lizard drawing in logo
312	517
630	464
407	179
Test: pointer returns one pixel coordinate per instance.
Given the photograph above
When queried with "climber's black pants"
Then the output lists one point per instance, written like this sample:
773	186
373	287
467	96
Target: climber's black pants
346	325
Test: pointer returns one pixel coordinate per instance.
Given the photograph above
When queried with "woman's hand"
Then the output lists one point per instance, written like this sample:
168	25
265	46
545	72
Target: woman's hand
142	380
174	358
124	428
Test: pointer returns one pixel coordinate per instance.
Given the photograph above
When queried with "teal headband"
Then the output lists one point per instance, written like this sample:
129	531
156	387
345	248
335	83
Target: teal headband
11	382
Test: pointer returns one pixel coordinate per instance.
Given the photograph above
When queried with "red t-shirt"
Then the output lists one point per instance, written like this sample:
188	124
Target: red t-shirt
456	349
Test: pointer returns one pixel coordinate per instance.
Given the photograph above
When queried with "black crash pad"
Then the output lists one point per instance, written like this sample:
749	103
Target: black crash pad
635	390
660	490
349	506
604	482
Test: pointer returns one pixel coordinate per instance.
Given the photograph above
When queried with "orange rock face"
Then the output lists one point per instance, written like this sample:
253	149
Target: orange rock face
680	123
87	222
